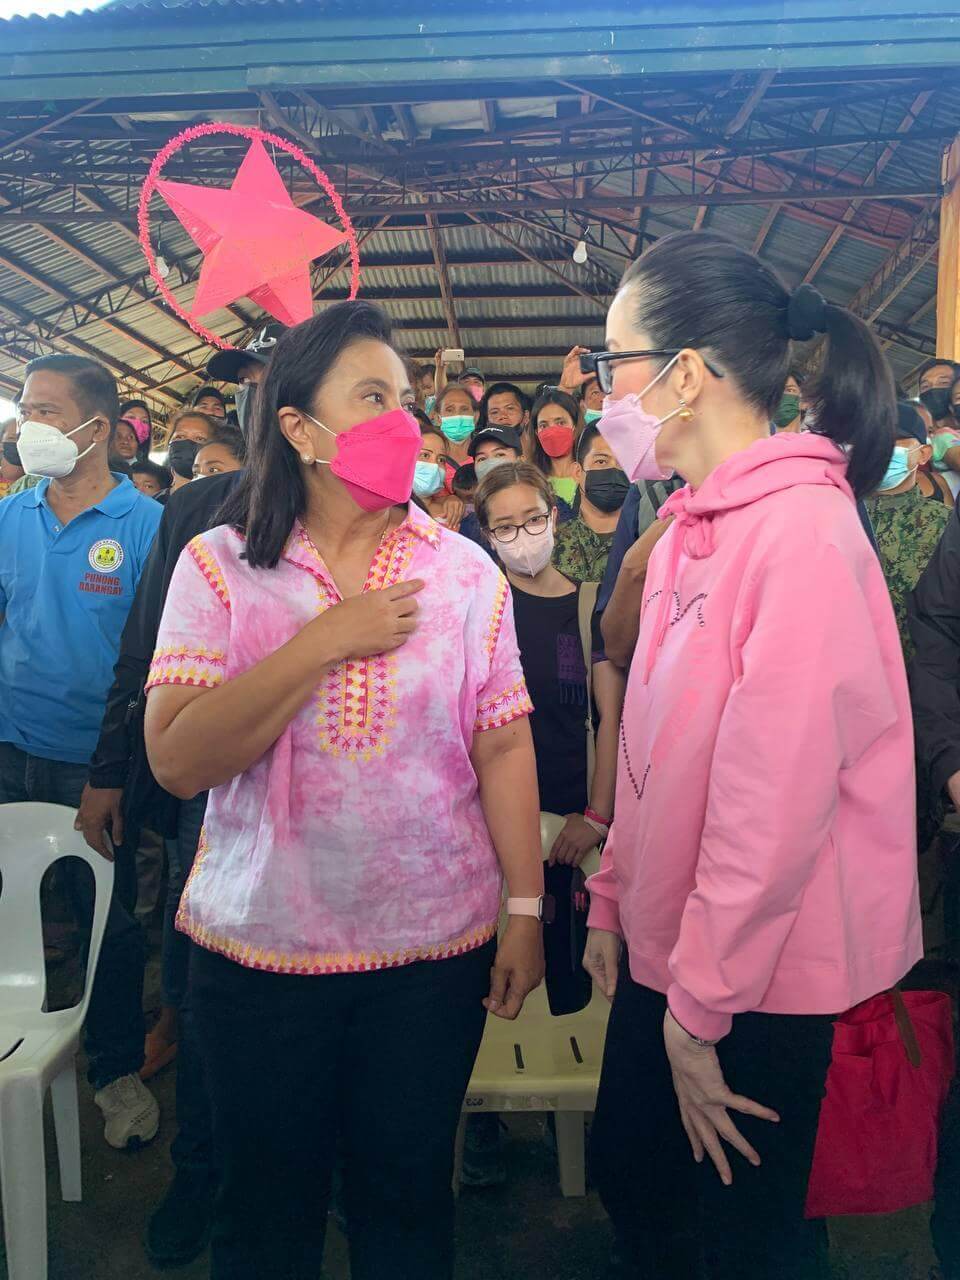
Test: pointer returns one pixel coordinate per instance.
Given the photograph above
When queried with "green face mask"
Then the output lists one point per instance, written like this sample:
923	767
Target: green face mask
457	427
590	416
789	409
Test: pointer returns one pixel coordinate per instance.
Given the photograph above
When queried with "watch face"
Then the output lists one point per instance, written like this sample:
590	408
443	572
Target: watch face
548	908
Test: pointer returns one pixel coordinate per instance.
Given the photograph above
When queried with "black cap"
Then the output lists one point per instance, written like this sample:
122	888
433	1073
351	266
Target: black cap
507	436
201	392
472	372
226	365
909	422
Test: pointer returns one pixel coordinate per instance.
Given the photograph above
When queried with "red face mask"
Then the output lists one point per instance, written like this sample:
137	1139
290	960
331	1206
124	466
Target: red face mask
556	442
376	460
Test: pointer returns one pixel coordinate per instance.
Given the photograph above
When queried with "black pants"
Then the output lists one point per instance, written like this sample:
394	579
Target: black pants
373	1065
192	1148
675	1219
114	1028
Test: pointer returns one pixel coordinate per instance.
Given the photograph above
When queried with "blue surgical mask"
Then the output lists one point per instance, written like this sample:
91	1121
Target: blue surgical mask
592	415
428	403
899	469
457	427
486	465
427	479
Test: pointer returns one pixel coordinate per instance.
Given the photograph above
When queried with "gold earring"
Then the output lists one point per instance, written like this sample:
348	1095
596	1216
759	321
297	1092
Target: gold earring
684	413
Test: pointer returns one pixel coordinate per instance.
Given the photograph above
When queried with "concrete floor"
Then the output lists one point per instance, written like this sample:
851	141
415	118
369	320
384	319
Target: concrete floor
525	1229
522	1231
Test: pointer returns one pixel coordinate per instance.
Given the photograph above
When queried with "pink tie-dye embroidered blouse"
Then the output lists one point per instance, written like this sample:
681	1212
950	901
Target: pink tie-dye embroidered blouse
358	840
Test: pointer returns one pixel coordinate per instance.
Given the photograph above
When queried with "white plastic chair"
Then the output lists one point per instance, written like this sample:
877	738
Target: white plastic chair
37	1049
544	1063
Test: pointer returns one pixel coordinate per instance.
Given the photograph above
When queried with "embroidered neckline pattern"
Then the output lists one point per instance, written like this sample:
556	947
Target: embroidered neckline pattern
356	703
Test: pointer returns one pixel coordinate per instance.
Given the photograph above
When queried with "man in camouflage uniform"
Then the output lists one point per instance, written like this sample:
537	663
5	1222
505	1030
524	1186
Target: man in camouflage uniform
906	525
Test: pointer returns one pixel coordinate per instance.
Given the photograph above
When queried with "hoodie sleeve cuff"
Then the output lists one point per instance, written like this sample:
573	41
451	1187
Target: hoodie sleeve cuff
695	1019
603	914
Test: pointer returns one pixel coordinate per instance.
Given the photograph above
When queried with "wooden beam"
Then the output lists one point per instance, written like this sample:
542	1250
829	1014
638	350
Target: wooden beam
771	214
405	122
948	268
443	278
753	99
747	108
889	151
897	270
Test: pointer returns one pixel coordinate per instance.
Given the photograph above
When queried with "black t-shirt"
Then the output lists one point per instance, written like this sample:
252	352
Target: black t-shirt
548	633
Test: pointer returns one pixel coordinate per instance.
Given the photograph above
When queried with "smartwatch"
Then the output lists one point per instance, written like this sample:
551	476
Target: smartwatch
543	909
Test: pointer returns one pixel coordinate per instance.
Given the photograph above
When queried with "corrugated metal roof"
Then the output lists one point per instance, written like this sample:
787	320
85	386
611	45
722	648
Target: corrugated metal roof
517	295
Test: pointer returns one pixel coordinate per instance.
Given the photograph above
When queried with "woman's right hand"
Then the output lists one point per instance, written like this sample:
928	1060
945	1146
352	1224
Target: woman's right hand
374	622
601	959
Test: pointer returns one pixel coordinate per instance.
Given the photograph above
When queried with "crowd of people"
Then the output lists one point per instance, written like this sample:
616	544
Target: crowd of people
340	634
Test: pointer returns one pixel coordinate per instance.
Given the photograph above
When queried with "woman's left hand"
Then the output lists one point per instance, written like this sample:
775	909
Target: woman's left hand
451	513
518	967
574	842
705	1100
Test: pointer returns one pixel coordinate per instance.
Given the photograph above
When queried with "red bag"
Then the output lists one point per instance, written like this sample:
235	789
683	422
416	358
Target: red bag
892	1064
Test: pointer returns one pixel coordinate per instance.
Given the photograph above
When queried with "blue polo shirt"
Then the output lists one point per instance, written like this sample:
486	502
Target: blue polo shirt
65	591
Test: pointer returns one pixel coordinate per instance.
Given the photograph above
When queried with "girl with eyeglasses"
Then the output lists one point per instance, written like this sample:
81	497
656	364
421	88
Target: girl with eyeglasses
761	875
516	508
517	512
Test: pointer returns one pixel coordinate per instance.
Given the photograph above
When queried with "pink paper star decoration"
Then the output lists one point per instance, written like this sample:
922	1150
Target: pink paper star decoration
256	243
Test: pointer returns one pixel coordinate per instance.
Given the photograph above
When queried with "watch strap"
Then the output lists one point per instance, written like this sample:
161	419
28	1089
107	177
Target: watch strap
525	907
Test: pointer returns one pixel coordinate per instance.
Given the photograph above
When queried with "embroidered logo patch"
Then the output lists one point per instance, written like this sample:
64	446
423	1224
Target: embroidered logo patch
106	555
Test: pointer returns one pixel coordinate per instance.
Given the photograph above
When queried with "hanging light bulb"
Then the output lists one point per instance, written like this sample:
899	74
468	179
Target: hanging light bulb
163	266
580	253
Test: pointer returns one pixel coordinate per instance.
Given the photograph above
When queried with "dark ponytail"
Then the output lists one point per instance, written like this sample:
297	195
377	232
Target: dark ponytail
272	494
852	398
697	289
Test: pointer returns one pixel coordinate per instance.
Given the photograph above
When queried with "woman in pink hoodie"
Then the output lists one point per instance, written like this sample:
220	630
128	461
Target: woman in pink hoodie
760	877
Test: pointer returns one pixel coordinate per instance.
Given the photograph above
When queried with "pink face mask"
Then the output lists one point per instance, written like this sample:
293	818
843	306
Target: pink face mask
632	433
376	460
475	391
139	428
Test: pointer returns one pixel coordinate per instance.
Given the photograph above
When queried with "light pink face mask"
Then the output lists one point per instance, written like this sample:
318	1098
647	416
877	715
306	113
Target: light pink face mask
632	433
376	460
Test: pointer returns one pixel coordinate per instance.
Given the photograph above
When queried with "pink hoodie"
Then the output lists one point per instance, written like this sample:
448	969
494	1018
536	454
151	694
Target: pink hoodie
763	855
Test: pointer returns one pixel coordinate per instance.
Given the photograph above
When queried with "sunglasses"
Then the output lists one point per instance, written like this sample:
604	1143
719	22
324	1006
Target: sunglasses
600	364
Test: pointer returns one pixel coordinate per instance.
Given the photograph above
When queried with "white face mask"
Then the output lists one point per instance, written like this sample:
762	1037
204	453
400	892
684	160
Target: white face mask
47	451
528	553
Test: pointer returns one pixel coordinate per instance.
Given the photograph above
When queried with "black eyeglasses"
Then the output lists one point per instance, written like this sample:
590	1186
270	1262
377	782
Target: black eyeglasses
600	363
510	532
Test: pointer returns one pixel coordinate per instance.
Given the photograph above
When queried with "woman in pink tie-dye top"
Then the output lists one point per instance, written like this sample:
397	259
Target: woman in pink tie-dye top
342	674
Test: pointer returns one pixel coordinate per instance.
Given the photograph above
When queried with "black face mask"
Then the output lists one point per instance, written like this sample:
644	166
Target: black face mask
12	454
181	456
607	489
937	400
243	399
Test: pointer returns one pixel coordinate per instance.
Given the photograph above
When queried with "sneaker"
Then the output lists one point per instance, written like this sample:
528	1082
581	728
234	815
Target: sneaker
131	1112
179	1227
